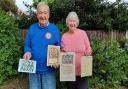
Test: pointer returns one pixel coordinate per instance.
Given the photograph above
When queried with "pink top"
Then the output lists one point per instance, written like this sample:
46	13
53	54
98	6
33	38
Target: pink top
76	42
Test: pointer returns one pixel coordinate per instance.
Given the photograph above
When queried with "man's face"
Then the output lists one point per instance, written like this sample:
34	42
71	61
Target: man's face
43	15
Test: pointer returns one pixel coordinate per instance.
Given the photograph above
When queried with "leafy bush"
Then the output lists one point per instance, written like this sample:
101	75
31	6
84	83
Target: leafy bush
125	64
10	46
110	64
62	27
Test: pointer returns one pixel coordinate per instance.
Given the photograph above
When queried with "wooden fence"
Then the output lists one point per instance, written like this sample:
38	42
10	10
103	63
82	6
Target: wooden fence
23	32
100	34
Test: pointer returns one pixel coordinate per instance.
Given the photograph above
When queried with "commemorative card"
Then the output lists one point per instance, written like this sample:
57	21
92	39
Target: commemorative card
53	54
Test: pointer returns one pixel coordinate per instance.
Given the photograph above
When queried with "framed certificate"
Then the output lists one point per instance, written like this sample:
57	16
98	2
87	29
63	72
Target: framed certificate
67	66
53	54
28	66
86	66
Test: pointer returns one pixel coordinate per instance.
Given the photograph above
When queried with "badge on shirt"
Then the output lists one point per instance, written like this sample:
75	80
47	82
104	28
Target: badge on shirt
48	35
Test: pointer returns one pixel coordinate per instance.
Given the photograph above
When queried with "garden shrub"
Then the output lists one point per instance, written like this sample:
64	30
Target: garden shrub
10	46
124	81
110	64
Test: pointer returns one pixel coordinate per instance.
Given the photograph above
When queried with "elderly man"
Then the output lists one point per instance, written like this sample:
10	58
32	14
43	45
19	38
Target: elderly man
39	36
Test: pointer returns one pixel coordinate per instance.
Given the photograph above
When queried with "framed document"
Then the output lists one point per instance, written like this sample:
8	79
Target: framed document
67	66
28	66
86	66
53	54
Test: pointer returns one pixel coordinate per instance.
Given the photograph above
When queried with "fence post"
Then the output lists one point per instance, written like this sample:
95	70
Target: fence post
126	34
23	32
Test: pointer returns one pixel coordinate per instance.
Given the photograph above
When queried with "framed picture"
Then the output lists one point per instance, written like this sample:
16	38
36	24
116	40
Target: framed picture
67	66
28	66
53	54
86	66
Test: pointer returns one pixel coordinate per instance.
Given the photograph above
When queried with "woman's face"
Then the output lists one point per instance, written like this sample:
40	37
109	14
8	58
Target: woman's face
72	24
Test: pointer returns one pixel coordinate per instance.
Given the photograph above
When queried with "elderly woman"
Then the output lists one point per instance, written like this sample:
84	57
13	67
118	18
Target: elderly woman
76	40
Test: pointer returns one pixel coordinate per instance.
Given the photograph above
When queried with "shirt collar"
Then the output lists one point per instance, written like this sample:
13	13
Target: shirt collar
43	27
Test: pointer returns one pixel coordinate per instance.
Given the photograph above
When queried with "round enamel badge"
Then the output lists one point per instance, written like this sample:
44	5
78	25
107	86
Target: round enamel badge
48	35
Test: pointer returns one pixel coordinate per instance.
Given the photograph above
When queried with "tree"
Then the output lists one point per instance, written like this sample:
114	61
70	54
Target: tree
93	14
8	6
120	16
36	1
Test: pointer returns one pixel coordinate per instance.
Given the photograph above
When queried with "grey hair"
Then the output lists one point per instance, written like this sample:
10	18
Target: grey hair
72	15
43	4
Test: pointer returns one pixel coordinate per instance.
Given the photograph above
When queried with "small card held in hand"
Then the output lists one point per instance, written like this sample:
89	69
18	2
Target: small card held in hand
53	54
28	66
86	66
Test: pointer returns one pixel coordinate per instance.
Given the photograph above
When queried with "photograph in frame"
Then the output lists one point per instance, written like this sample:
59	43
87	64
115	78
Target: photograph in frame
67	66
86	66
27	66
53	54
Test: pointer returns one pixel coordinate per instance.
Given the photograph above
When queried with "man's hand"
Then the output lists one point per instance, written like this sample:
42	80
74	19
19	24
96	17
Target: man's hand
27	55
56	65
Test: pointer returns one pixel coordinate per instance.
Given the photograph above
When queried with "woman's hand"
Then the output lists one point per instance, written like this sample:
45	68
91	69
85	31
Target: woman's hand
88	53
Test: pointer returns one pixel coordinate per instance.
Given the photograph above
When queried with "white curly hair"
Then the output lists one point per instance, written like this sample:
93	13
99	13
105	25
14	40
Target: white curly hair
72	15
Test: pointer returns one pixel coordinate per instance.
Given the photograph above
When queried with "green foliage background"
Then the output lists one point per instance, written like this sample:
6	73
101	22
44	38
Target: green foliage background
10	46
8	6
110	57
110	62
93	14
